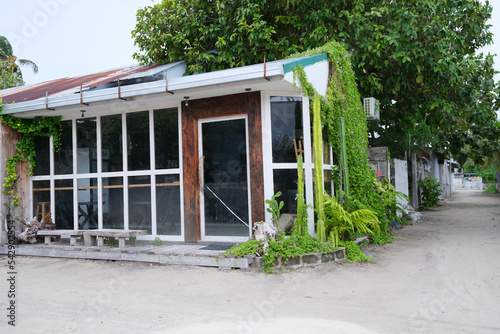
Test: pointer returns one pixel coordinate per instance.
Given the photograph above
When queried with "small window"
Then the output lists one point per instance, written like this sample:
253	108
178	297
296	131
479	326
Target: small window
166	138
138	141
63	159
111	141
168	205
42	159
287	129
86	139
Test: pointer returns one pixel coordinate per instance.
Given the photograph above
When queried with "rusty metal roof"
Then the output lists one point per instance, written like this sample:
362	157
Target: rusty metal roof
56	87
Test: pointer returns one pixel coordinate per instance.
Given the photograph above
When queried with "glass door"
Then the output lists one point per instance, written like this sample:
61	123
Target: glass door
224	191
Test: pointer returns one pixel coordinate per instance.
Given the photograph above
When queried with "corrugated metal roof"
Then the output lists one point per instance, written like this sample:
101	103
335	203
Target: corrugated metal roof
56	87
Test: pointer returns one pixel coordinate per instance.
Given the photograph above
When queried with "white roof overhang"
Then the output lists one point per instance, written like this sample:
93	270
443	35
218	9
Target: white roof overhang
275	76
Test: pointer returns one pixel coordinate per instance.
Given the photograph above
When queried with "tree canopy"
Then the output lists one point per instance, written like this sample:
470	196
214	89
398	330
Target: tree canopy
419	58
10	71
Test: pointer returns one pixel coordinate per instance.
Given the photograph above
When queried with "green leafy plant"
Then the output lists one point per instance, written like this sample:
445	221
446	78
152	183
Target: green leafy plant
389	196
318	169
341	222
300	224
275	208
25	151
354	252
158	242
430	192
492	188
250	247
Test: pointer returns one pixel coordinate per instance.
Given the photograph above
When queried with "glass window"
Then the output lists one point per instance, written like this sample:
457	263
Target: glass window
327	180
285	181
41	198
87	204
63	160
287	129
64	204
112	202
327	149
42	159
168	205
166	138
111	142
139	202
138	141
86	140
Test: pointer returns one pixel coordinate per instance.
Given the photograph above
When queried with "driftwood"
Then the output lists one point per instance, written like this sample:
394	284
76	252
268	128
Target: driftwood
30	231
47	223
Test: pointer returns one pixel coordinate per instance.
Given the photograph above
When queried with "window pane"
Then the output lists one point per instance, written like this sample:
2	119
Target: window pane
285	180
112	149
327	179
86	145
41	198
166	138
64	204
326	153
87	204
168	205
139	205
42	159
112	202
286	120
138	140
63	160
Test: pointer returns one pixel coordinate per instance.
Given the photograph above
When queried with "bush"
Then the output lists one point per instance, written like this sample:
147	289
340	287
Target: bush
430	192
492	188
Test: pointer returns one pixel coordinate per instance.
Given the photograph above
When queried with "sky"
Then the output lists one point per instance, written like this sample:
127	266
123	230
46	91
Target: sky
68	38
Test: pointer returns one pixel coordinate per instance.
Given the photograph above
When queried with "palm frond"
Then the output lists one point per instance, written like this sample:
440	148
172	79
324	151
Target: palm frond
5	47
26	62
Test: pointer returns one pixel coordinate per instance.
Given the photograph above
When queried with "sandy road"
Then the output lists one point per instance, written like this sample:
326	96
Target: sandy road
442	275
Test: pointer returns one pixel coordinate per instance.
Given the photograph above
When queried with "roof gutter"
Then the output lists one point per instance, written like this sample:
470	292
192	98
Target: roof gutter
229	76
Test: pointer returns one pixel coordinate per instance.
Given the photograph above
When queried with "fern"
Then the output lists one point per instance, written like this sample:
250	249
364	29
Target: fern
339	219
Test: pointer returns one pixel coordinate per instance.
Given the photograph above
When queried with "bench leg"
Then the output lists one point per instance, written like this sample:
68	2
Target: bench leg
72	240
121	242
88	240
47	239
100	240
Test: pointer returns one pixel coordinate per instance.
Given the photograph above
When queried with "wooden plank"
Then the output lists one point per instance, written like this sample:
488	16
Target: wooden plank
117	233
190	174
258	206
59	232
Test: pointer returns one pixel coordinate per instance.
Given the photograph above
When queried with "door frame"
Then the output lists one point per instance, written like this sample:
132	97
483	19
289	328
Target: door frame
201	212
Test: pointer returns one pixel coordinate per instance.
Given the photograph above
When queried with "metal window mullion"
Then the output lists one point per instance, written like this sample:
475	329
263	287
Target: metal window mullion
100	221
181	173
152	172
125	171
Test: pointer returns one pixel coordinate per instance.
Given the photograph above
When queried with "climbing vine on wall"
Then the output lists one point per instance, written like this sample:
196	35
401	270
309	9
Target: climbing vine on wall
342	99
25	150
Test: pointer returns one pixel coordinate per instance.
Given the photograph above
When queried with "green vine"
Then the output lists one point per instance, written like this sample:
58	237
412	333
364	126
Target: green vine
25	150
342	99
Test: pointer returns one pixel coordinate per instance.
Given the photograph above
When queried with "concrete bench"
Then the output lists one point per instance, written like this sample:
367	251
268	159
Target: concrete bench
90	236
49	234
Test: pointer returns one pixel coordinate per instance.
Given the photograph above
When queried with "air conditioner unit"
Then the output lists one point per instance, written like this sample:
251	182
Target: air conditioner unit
372	108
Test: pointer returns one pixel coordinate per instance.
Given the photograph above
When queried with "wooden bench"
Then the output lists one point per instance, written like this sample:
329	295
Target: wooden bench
49	234
121	235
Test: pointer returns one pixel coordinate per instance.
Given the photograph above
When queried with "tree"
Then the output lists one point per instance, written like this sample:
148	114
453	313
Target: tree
417	57
10	70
